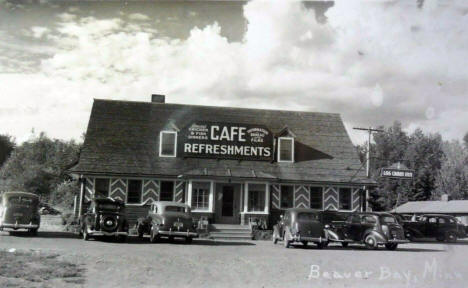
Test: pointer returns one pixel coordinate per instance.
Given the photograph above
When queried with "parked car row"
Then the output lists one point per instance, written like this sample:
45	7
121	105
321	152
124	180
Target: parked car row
373	229
107	217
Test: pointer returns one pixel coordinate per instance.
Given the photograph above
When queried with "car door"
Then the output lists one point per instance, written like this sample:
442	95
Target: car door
431	227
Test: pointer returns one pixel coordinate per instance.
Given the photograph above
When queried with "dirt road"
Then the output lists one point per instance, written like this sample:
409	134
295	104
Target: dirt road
207	263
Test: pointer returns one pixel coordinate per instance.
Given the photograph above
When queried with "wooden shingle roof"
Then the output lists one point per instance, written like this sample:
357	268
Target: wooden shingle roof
123	139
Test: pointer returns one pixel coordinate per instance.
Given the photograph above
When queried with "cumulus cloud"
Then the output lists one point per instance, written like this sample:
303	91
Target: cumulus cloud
372	62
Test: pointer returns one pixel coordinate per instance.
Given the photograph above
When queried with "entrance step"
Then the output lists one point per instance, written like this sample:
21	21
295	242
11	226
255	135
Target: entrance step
230	232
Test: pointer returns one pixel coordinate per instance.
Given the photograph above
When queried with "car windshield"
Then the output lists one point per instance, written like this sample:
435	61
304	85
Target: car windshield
388	219
307	217
21	200
175	209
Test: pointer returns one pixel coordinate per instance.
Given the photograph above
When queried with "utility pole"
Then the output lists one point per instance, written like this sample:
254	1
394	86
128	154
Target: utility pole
369	130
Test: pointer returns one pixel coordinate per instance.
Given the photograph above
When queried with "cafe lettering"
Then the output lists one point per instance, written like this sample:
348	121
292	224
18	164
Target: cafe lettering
230	165
226	140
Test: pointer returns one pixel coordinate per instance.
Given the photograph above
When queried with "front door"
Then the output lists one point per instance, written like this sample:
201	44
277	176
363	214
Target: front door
227	206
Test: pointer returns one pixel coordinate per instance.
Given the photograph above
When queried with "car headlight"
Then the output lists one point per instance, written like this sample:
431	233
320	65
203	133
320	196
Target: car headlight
385	230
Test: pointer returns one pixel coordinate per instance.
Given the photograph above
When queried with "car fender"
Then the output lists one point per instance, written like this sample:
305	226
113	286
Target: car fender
331	235
379	236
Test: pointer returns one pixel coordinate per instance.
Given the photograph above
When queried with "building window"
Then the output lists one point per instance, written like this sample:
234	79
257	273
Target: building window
256	197
316	197
285	149
167	191
134	192
101	188
168	144
345	199
287	196
200	195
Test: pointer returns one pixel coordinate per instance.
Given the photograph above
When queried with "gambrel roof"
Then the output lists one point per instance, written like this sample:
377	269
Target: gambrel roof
123	139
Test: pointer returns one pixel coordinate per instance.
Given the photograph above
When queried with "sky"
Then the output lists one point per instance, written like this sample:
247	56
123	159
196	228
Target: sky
373	61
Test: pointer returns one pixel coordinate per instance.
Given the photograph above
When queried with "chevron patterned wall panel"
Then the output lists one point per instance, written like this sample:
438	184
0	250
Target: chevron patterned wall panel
179	192
150	191
331	198
89	189
356	199
275	196
301	196
118	189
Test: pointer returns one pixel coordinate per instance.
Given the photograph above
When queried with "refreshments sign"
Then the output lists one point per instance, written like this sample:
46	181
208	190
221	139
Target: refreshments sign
227	141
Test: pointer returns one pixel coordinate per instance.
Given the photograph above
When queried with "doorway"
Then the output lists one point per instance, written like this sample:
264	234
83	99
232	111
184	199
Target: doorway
227	203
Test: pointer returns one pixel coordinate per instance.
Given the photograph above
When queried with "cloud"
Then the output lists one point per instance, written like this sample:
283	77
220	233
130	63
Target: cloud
371	62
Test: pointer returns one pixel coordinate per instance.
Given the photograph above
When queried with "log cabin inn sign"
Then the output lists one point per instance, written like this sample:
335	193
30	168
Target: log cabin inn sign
227	141
230	165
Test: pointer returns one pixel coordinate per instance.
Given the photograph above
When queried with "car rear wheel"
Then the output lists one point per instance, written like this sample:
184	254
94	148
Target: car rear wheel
451	237
320	245
344	244
391	246
409	236
140	231
371	242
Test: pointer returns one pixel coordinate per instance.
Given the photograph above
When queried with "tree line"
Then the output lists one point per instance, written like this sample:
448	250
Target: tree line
440	167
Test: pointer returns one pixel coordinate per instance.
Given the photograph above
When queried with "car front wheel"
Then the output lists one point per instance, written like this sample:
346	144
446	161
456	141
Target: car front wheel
85	234
286	241
451	237
371	242
153	235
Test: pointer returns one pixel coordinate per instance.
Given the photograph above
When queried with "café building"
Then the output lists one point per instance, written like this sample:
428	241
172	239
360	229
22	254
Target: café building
228	164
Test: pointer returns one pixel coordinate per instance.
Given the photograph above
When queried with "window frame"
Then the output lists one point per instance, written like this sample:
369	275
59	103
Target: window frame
141	192
108	186
281	196
192	194
323	198
161	143
245	198
279	149
173	189
350	199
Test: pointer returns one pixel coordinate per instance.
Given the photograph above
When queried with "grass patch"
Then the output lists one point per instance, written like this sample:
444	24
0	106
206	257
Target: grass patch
37	268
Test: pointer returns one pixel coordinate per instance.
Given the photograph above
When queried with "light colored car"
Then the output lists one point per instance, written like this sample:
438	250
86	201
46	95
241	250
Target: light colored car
19	210
167	219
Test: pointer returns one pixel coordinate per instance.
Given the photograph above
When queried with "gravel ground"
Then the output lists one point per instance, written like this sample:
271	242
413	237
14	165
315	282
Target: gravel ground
208	263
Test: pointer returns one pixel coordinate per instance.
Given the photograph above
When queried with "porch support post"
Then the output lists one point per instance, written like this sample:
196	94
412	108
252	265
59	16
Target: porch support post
211	197
80	205
189	193
246	197
267	198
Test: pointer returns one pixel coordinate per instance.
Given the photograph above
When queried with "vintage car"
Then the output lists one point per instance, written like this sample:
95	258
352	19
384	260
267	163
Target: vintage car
167	219
104	217
438	226
371	228
300	225
19	210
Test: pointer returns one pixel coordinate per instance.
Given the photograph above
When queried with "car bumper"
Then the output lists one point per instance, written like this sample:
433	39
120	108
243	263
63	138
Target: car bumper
19	226
394	241
104	233
309	239
178	233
